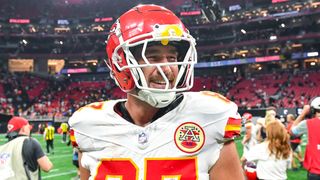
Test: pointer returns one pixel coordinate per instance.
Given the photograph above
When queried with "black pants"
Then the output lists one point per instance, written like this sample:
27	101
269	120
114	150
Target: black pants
64	137
312	176
49	145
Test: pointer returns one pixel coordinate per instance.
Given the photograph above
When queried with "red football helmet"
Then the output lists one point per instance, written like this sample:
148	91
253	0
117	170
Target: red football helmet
138	28
251	173
247	117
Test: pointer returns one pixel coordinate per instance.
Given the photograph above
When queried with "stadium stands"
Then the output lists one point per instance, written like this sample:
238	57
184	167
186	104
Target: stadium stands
282	39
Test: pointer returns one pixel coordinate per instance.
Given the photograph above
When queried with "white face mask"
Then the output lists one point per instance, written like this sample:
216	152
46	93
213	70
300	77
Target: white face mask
158	100
165	35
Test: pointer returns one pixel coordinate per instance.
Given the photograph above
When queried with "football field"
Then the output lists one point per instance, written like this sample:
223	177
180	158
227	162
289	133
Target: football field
64	169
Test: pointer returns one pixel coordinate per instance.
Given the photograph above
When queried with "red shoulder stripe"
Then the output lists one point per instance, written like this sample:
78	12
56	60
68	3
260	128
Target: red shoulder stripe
73	139
232	128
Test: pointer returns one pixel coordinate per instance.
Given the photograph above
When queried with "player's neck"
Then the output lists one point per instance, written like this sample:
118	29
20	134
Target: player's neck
140	111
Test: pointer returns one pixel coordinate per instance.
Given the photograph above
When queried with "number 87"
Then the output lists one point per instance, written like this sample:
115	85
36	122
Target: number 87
155	169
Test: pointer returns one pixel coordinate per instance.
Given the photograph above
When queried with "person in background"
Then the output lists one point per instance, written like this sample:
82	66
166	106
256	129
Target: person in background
248	140
64	128
295	141
159	131
272	156
49	137
75	154
311	127
263	122
41	128
75	162
22	156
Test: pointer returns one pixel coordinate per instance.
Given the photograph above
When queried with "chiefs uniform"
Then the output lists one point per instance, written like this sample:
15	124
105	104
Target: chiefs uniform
183	144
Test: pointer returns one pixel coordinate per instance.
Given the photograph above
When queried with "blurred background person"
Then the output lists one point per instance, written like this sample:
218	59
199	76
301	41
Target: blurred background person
41	128
64	128
311	127
75	162
75	154
273	156
295	141
49	137
248	140
263	122
25	156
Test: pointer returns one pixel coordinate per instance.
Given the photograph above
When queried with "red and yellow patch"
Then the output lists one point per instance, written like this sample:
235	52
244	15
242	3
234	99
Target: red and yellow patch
232	128
189	137
73	139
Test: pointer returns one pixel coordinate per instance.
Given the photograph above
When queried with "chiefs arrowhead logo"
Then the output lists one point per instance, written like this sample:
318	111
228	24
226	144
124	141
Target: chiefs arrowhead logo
189	137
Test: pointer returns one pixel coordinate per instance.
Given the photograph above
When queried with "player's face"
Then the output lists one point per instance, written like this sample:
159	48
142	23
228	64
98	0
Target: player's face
160	54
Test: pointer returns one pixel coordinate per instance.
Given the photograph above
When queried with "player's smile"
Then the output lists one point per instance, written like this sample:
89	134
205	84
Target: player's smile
160	84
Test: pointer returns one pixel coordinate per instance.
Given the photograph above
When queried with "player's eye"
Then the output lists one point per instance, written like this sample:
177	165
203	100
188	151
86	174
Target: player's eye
172	58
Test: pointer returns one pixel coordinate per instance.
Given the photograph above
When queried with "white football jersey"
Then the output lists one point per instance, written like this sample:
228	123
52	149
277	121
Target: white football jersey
183	144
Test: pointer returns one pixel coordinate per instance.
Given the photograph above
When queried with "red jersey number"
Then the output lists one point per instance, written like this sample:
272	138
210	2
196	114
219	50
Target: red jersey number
155	169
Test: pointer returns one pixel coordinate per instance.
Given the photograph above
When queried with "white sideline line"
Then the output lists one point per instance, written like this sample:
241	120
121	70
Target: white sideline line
54	170
59	156
60	174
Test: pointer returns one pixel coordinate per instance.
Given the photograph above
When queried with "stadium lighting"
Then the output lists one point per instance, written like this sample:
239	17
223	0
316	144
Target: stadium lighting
312	54
25	42
273	37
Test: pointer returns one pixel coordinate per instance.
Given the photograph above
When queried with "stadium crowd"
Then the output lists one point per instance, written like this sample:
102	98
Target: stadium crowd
285	30
30	95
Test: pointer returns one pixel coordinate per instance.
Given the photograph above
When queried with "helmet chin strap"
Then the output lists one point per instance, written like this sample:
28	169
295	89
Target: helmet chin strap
157	100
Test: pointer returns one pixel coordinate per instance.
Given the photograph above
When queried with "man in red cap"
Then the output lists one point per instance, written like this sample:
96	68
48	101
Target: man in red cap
23	154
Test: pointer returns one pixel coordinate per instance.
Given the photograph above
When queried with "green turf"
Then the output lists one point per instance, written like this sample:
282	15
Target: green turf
64	169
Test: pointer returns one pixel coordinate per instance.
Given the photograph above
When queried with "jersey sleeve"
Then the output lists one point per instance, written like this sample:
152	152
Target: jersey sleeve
233	126
224	117
78	139
221	113
82	126
73	139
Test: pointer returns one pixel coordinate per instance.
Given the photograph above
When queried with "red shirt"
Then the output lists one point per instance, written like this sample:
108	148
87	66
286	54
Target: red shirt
312	155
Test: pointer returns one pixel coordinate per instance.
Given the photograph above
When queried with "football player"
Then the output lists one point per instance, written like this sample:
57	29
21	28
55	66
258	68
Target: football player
248	140
158	132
